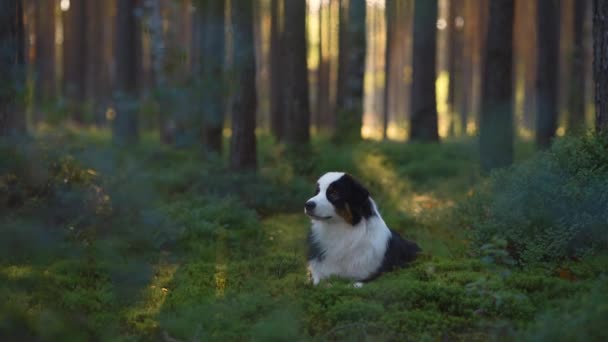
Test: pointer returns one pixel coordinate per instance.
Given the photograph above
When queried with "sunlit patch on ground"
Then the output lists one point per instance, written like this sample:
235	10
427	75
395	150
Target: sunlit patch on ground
143	315
422	202
15	272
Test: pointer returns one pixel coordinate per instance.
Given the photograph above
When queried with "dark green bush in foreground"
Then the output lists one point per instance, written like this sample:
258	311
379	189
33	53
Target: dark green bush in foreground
582	318
549	208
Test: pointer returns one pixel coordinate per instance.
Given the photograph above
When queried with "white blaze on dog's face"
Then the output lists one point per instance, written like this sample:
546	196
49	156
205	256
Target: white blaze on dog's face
339	196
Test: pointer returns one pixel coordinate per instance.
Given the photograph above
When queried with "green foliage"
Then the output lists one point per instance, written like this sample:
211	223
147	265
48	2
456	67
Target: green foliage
151	243
548	208
581	318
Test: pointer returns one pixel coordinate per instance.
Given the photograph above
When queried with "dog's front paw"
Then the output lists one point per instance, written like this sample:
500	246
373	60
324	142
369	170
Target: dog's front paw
358	285
312	277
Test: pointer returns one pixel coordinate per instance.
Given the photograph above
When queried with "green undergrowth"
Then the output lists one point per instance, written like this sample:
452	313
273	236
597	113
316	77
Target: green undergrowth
549	208
157	243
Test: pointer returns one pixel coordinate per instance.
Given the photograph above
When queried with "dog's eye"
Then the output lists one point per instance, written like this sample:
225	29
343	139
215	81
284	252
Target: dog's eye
332	194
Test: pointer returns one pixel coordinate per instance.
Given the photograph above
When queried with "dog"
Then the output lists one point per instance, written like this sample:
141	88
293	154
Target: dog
348	237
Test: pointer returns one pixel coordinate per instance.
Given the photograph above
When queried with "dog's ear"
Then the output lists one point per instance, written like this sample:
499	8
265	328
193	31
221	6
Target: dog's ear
357	199
357	192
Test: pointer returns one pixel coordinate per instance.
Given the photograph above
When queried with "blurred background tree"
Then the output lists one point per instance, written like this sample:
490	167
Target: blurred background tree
496	121
424	104
394	70
12	66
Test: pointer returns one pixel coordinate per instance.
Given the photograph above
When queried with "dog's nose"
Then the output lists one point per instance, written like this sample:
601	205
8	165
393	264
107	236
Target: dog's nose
310	205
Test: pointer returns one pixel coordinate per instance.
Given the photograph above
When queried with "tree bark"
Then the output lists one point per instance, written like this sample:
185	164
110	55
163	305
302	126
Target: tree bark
390	13
154	25
600	63
45	55
576	115
456	83
295	75
547	78
496	122
12	67
351	70
244	105
75	56
97	80
323	73
213	76
276	85
125	127
424	104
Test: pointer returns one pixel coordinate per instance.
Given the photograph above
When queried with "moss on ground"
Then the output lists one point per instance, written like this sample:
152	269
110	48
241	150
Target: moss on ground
182	249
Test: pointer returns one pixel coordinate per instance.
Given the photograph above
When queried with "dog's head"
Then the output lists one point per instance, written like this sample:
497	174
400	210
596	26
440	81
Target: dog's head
339	197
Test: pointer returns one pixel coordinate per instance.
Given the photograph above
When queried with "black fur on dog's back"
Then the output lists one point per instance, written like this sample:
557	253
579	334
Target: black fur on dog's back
399	252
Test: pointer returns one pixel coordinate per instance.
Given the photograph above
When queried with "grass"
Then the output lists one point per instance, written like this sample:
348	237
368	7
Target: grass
171	246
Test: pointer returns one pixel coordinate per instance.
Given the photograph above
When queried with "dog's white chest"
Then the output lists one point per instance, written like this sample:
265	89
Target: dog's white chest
349	252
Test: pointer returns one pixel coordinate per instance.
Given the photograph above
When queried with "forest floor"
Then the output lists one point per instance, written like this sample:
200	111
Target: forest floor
156	243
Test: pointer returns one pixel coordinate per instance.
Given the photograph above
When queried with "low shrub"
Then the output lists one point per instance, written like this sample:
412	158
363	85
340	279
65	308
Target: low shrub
549	208
581	318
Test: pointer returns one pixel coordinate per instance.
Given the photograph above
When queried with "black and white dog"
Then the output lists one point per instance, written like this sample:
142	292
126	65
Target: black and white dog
348	237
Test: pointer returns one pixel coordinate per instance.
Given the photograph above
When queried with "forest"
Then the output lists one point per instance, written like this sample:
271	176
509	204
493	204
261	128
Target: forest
156	155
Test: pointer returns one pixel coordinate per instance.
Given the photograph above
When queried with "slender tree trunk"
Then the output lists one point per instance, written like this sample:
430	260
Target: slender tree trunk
12	67
75	58
323	90
332	62
351	70
468	55
390	13
97	88
600	63
244	106
295	75
456	84
154	25
424	103
576	115
547	78
45	55
126	130
342	52
107	67
530	54
496	122
276	85
213	76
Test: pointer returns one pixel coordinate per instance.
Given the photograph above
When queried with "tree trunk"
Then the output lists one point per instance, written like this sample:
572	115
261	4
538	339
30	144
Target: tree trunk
576	84
576	115
45	56
351	70
97	81
323	73
125	128
244	101
154	25
276	85
600	63
496	121
12	67
390	12
547	71
424	103
213	76
456	83
75	59
295	75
